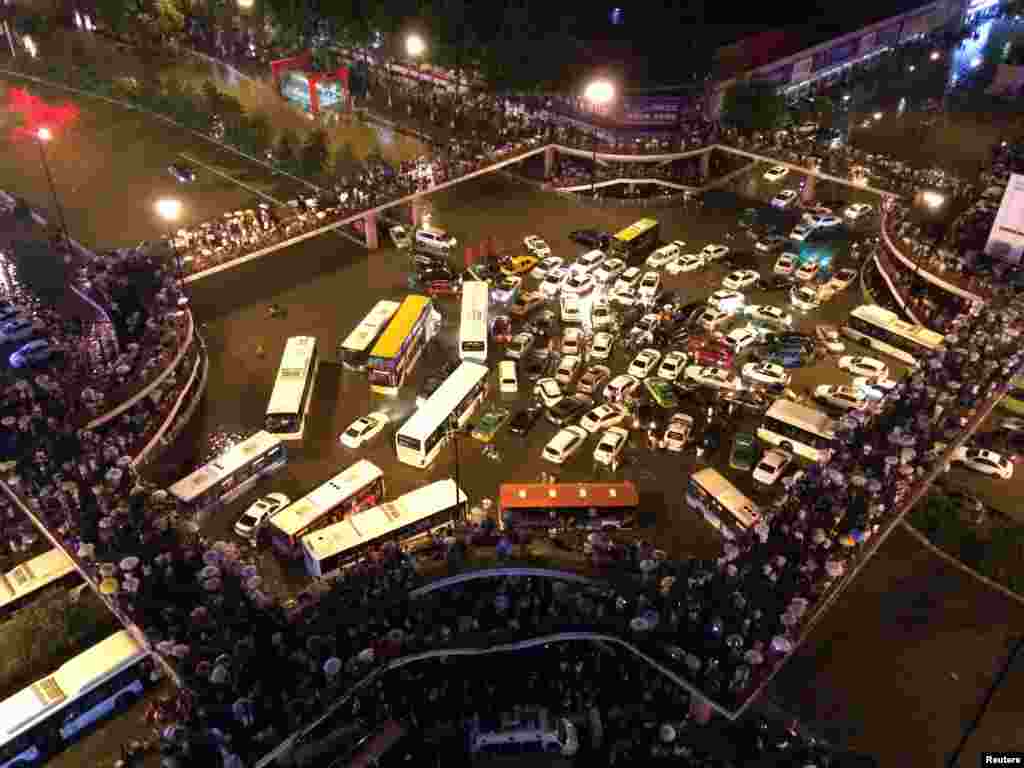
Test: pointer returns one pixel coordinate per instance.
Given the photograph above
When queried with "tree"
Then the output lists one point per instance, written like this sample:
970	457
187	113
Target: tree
751	106
40	269
170	19
286	152
344	163
260	134
314	155
212	99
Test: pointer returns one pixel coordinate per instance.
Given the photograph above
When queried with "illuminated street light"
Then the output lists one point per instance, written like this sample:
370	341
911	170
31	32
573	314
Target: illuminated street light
846	97
43	135
911	67
933	199
30	46
878	115
598	93
935	56
169	209
245	4
414	46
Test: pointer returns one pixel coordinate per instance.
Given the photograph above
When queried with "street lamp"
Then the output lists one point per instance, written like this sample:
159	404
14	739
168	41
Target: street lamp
415	47
598	93
169	209
43	135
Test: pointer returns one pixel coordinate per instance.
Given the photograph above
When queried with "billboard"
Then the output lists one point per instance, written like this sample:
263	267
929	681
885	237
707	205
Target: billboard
1006	240
651	110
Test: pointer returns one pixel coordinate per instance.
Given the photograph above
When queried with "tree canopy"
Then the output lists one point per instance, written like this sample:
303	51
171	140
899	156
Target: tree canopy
751	106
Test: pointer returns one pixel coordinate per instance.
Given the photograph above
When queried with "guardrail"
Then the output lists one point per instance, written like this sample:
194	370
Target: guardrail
894	290
611	182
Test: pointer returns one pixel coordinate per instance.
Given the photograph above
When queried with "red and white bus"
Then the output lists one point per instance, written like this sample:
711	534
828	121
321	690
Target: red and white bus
582	506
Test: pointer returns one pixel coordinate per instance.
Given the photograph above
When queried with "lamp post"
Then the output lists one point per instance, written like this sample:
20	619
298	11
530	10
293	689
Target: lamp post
169	210
598	93
453	431
415	47
43	135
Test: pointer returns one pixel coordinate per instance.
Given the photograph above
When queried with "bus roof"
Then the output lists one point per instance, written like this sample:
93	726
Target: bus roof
31	574
877	315
568	495
299	514
635	230
364	334
204	478
291	376
444	400
398	329
802	416
729	495
380	520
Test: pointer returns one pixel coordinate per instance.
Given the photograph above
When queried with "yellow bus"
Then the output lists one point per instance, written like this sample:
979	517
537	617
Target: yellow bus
636	241
399	348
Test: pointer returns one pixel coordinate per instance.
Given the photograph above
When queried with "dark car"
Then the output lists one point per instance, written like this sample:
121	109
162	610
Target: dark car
537	367
591	238
771	243
748	401
568	409
439	281
740	260
712	438
776	282
544	325
522	422
427	261
182	173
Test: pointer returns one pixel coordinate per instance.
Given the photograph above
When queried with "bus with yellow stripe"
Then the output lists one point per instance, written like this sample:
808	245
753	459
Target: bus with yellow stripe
635	242
398	349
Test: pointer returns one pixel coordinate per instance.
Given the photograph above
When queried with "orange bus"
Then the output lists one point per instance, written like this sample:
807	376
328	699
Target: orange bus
583	506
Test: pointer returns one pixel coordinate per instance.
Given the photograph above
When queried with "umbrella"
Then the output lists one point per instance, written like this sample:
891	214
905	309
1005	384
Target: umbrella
212	585
249	571
396	635
219	676
731	551
818	536
639	624
753	657
253	583
114	475
781	644
847	540
109	586
366	656
208	572
667	733
107	570
130	563
166	647
874	486
199	613
332	666
212	557
835	568
906	470
180	651
666	584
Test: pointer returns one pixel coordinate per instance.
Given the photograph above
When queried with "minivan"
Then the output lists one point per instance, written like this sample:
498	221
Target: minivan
434	241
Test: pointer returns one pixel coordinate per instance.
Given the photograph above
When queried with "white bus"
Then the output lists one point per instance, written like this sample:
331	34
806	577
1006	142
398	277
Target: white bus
721	503
293	389
229	475
23	583
409	518
354	351
44	718
883	330
799	429
421	437
473	324
524	731
360	486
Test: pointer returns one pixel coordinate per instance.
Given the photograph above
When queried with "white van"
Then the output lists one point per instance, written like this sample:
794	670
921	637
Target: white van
434	241
508	378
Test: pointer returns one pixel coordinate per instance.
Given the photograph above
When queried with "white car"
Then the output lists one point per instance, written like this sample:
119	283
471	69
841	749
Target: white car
621	387
769	315
610	446
771	466
589	261
717	378
801	232
402	239
842	397
808	271
604	416
36	351
258	513
578	282
609	270
714	252
505	288
572	342
784	199
17	330
712	318
571	309
739	339
785	265
545	266
364	429
741	279
649	286
986	462
873	389
804	298
520	345
864	366
827	221
628	280
769	374
776	173
829	336
601	315
727	301
685	262
806	128
771	243
644	363
551	285
601	346
624	297
858	211
672	365
842	279
662	256
562	446
548	392
508	377
568	367
678	432
536	246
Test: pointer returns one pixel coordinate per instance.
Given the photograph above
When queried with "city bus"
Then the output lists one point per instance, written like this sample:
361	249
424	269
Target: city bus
228	476
47	716
523	731
635	242
799	429
1014	400
723	506
354	351
421	438
473	323
429	510
293	389
360	486
22	584
398	349
586	506
883	330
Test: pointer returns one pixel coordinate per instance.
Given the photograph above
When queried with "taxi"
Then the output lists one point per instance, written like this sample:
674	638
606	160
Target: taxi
519	265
